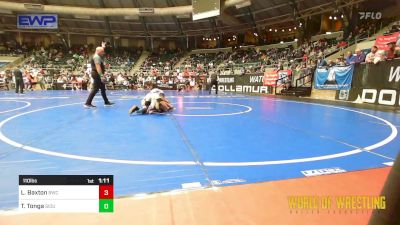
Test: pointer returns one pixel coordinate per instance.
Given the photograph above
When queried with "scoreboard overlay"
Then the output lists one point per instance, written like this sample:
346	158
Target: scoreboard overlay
66	193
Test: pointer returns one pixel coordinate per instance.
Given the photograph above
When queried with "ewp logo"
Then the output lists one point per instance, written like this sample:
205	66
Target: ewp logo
370	15
37	21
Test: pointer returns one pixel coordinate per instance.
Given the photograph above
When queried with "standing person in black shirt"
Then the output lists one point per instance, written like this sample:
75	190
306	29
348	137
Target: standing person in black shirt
19	80
214	82
98	70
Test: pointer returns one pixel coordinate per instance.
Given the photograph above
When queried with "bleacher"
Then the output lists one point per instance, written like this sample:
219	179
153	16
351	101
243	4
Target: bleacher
57	61
2	64
160	63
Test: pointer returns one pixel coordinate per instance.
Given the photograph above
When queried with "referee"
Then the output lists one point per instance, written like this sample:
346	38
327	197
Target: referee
214	82
98	70
19	80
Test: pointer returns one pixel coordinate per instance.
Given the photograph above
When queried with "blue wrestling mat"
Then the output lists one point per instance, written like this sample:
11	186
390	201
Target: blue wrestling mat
206	141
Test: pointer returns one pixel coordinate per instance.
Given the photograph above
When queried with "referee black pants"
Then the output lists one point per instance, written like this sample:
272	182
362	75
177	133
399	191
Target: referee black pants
97	84
214	83
19	85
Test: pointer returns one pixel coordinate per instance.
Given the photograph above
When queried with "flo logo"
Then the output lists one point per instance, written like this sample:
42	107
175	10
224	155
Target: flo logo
370	15
325	171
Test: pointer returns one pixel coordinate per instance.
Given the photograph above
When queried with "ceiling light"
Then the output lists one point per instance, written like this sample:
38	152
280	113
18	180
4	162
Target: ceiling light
84	17
131	17
183	16
32	6
5	11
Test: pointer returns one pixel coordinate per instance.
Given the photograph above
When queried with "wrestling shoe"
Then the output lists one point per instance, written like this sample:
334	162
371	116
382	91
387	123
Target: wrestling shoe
133	109
89	106
109	104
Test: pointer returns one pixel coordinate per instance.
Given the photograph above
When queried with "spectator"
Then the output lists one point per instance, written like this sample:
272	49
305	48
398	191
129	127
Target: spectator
3	81
61	82
331	63
40	80
372	57
380	56
305	58
359	57
74	83
340	61
111	81
341	44
321	62
120	79
350	58
391	53
280	66
30	81
395	28
80	82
